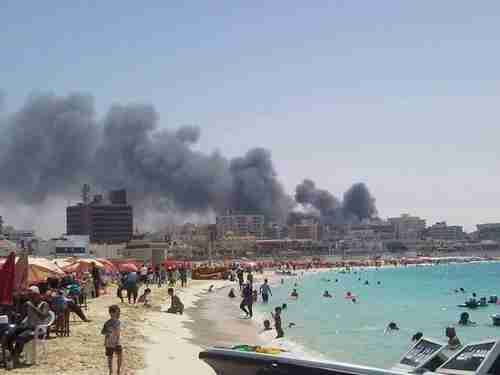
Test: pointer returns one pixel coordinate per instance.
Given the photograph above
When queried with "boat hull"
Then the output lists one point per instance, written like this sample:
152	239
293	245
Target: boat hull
231	362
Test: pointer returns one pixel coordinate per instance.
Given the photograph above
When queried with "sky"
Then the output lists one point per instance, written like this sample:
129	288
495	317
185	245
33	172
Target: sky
401	95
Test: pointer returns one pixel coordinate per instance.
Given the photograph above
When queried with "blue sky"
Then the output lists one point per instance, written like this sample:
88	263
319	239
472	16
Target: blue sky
401	95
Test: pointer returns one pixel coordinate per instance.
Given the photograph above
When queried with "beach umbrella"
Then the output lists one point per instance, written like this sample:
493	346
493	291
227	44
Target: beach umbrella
127	267
82	265
63	262
7	278
39	269
108	265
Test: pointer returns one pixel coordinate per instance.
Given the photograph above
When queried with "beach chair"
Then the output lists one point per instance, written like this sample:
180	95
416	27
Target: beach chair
39	342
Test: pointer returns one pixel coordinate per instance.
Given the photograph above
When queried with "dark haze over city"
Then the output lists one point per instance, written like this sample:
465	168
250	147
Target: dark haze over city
54	144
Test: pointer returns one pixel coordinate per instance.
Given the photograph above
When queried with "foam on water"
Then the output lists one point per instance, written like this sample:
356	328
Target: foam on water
416	298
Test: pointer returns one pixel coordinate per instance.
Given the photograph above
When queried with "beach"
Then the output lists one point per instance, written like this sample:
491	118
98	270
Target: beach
82	353
153	340
210	318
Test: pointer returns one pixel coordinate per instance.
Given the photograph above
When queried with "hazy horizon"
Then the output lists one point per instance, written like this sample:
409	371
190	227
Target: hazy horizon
401	96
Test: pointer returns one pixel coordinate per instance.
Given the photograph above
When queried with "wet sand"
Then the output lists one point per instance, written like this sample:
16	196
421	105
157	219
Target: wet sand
218	320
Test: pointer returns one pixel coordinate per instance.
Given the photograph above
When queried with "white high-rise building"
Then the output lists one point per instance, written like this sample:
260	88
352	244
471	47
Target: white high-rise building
407	227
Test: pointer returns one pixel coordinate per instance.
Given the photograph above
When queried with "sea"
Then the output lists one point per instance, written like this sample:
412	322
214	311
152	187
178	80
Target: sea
417	298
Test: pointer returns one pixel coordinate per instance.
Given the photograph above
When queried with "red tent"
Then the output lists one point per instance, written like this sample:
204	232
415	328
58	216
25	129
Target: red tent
7	277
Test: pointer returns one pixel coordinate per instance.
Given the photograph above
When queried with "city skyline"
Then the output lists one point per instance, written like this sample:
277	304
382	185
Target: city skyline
402	97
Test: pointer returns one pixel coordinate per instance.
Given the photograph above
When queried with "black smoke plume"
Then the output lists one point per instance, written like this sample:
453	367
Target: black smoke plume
322	200
357	204
53	145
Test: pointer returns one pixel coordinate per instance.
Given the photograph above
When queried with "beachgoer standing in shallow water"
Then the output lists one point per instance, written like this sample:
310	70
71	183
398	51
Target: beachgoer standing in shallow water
247	302
112	344
294	294
265	291
277	322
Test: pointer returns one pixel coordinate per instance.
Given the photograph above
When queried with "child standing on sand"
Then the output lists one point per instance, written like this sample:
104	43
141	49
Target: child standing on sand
111	330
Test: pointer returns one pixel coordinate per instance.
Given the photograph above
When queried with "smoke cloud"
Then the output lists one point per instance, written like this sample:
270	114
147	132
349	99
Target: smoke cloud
357	204
322	200
53	145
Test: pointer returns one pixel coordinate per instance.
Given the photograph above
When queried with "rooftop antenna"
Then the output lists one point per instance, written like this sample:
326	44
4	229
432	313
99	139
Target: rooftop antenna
86	194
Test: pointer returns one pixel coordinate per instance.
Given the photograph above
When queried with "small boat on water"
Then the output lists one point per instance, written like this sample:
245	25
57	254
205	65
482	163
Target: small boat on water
425	357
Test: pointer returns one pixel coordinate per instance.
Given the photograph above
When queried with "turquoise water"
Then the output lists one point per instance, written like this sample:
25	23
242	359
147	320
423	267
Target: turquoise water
416	298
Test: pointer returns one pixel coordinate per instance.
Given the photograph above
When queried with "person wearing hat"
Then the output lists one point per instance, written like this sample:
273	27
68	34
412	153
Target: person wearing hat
37	310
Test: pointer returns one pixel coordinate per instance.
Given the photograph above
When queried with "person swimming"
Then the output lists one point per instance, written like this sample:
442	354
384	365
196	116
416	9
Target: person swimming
465	320
291	325
267	326
294	294
336	280
378	283
367	282
284	306
391	327
462	290
327	294
417	336
349	295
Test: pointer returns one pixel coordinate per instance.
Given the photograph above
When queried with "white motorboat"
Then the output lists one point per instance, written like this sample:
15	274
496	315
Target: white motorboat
425	357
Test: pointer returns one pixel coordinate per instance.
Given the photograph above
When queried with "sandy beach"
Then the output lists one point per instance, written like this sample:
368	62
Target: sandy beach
82	353
174	341
153	340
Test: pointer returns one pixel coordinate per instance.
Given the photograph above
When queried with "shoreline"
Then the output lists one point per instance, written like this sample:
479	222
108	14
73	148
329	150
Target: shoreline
174	341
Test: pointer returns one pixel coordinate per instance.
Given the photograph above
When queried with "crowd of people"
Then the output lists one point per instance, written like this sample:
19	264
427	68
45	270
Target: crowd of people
42	309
